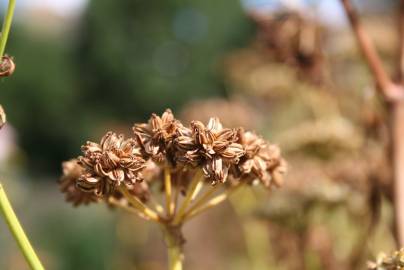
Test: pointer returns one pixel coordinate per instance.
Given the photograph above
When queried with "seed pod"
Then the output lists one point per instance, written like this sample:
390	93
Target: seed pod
2	117
7	66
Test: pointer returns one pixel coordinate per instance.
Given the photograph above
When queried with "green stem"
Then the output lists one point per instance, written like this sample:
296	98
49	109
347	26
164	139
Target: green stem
6	26
174	249
18	232
174	257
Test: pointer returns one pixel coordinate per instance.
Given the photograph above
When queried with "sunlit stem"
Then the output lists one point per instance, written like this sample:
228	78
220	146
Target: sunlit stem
176	195
159	208
192	190
174	250
17	231
6	26
138	205
203	198
211	203
126	207
168	191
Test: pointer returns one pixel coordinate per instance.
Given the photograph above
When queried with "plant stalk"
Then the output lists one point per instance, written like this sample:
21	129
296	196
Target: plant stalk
173	242
17	231
6	26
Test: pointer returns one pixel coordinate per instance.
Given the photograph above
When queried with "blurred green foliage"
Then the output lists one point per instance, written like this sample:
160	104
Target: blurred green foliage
125	60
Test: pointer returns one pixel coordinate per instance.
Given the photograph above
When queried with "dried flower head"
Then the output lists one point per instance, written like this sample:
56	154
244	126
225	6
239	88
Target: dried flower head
155	137
2	117
7	66
110	163
394	261
212	146
71	173
174	159
261	160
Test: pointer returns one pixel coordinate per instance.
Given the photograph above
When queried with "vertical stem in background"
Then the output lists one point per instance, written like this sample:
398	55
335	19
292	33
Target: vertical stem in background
397	140
397	137
18	232
392	93
6	26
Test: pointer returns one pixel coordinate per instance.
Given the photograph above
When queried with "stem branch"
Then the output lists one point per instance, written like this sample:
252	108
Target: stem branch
138	205
211	203
168	191
192	190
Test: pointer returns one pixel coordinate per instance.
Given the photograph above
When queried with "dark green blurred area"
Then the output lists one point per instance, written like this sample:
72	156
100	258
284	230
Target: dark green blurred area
122	61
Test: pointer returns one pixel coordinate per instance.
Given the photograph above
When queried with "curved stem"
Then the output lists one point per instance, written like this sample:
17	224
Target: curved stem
6	26
17	231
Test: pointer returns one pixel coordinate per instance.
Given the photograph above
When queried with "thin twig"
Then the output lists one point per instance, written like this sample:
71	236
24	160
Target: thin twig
388	89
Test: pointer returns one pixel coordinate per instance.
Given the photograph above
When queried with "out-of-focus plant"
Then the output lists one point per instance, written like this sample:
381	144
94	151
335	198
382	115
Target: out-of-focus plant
334	139
392	93
197	167
393	261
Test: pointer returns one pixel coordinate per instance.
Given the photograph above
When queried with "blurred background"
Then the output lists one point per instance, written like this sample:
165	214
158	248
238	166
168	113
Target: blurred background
288	69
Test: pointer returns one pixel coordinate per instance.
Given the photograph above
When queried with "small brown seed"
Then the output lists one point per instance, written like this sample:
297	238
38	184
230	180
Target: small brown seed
7	66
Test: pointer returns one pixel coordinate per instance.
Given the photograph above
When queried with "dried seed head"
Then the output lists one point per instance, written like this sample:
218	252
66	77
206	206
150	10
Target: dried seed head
394	261
262	160
212	147
71	172
2	117
215	150
112	162
155	137
7	66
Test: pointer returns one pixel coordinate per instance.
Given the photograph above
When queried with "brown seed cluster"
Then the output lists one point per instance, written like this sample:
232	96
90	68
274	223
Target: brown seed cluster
394	261
135	163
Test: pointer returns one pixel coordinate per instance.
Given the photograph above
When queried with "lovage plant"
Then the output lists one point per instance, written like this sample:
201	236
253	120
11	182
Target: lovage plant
196	167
